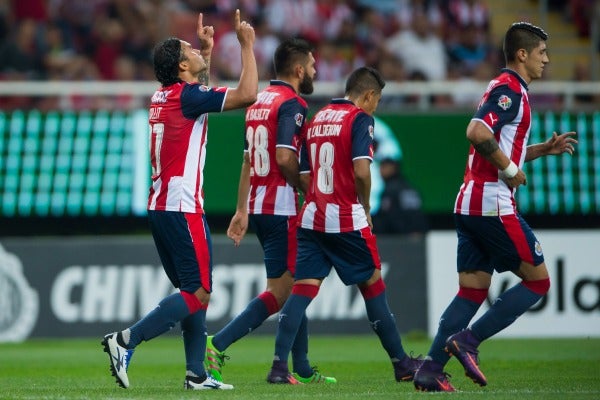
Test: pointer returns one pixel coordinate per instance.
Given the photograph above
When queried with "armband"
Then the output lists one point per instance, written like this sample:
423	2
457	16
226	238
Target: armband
511	171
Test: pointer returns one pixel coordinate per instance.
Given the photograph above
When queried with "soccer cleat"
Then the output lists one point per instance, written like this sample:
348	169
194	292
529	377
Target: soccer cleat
119	358
463	345
214	360
316	377
281	376
430	377
404	370
196	383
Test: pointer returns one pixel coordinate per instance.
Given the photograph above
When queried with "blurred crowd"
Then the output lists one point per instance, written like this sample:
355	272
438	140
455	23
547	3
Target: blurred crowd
407	40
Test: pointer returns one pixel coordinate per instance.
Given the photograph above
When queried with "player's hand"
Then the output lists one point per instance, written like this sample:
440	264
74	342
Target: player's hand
519	179
369	220
244	31
564	143
238	227
205	36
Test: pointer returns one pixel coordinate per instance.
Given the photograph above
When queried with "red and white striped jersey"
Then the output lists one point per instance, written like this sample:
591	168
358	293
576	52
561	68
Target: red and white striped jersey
275	120
505	110
178	132
337	135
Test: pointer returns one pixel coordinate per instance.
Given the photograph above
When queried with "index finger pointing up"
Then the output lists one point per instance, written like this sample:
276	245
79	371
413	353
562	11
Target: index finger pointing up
200	21
237	19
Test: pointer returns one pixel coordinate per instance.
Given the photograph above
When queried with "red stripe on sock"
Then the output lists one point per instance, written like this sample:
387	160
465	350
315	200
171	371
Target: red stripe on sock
270	302
475	295
193	302
539	287
305	290
374	290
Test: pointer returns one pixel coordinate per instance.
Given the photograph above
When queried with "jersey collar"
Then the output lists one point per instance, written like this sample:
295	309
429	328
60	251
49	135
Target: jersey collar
277	82
515	74
341	100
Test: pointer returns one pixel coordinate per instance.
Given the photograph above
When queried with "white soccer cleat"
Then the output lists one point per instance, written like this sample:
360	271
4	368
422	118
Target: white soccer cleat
194	383
119	359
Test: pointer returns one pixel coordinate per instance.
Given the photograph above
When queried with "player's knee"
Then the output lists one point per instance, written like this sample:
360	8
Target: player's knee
196	301
475	295
540	286
306	290
373	290
270	301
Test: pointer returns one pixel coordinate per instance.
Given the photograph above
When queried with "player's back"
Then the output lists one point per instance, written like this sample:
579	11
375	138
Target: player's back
331	146
276	105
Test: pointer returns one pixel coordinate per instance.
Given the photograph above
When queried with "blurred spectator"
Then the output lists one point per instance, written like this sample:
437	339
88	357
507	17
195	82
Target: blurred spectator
332	14
400	210
386	147
226	57
470	50
408	9
294	18
330	64
20	55
462	13
582	73
581	12
420	50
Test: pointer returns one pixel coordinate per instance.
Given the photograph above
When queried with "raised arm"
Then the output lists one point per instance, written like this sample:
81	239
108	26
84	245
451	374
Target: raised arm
206	38
245	93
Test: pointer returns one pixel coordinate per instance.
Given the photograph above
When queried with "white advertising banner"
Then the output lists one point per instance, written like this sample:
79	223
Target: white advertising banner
570	309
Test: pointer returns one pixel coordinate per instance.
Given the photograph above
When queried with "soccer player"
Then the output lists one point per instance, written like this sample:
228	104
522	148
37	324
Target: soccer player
335	224
178	123
491	233
268	200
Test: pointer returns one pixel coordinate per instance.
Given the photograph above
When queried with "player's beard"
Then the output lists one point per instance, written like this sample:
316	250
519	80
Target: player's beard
306	85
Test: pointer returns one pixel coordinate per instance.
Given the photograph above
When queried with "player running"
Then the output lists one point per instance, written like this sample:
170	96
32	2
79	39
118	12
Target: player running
491	233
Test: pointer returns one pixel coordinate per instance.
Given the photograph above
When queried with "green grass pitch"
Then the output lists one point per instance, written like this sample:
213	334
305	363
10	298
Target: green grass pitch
516	369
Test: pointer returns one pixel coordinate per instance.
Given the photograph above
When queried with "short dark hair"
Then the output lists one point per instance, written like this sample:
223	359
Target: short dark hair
363	79
522	35
290	52
167	55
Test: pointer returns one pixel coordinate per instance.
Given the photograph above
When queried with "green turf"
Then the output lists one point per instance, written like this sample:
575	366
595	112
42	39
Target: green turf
516	369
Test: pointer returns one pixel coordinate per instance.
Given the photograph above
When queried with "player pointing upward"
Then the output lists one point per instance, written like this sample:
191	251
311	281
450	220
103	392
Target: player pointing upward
178	123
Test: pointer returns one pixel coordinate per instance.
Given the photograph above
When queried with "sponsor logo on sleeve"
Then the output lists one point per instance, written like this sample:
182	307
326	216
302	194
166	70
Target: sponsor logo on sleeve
491	119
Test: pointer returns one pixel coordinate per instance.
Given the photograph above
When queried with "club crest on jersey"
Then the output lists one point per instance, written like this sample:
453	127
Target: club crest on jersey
371	131
299	118
203	88
504	102
538	248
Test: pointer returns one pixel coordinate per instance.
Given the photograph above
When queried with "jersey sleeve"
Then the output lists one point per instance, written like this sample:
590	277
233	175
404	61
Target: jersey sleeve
290	121
500	108
304	167
199	99
362	136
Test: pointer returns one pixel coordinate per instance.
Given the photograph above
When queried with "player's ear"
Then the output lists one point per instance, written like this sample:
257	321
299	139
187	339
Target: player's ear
184	65
522	55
